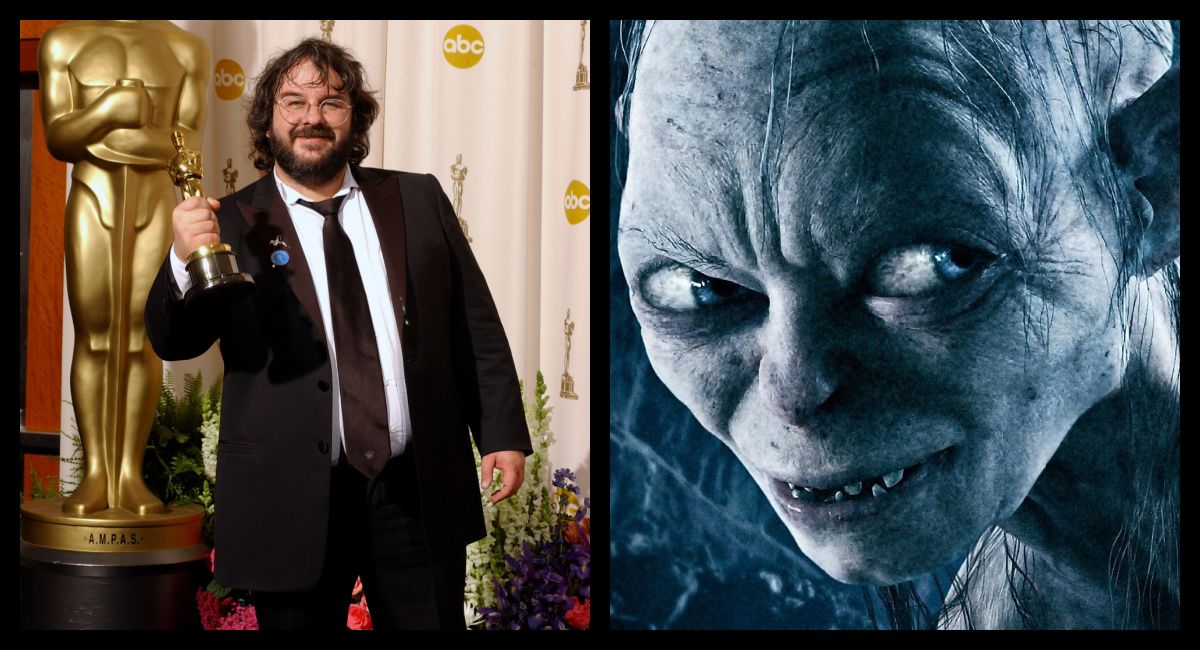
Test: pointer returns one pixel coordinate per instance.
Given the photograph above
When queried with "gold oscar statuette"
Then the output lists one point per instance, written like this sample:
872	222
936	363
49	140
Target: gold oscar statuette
213	268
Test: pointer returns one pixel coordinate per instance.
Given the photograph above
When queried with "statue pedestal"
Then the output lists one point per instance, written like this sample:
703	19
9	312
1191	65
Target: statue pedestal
110	570
568	387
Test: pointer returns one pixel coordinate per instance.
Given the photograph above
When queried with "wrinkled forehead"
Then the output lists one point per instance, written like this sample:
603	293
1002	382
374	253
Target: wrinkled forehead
722	73
710	57
806	111
1061	74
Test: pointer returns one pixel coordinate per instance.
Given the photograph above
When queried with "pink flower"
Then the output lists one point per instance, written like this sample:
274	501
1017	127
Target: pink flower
358	618
224	613
358	588
212	560
242	617
210	609
580	616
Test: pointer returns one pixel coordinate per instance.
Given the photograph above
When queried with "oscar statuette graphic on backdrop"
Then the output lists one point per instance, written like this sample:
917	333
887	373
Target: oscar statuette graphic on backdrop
458	173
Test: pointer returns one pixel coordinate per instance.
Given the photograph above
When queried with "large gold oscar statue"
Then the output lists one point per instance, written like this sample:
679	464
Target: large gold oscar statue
112	93
112	555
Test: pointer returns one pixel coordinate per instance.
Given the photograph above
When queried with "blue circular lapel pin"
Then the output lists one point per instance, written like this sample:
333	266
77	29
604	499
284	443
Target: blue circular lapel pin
279	256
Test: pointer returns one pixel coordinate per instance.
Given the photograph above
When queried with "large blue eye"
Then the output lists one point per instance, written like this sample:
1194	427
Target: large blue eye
679	288
922	269
953	262
710	292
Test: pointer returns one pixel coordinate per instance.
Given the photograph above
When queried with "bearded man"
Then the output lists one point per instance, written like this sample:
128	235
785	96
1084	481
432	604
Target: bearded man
351	373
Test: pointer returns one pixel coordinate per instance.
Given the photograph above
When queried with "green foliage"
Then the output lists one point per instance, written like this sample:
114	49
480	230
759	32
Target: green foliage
38	489
174	463
217	589
70	482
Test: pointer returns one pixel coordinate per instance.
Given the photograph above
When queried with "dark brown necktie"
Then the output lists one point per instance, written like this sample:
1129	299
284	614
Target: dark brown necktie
364	404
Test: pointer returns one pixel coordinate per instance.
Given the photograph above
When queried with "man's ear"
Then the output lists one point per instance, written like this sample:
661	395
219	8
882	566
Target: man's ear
1145	141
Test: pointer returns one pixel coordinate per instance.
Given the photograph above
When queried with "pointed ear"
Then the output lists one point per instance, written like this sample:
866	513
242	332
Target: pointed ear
1145	143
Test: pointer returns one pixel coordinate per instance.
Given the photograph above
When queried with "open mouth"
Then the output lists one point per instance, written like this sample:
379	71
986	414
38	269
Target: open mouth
862	495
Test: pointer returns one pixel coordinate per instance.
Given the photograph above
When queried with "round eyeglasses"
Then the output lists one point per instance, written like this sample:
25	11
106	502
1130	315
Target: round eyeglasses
293	108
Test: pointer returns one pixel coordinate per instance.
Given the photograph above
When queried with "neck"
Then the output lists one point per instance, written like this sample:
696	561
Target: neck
1102	520
313	192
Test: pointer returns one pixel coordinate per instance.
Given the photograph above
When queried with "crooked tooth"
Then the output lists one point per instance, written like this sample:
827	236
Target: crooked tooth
853	488
877	490
802	495
893	478
792	486
840	496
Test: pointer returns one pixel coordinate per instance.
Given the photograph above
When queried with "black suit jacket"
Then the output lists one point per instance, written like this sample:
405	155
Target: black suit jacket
273	467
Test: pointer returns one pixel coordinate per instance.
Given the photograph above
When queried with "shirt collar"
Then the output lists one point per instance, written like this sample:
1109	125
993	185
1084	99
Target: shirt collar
291	196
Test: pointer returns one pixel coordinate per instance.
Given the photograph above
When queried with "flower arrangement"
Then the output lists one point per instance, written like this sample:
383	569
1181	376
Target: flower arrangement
549	579
532	569
220	609
181	457
181	467
524	516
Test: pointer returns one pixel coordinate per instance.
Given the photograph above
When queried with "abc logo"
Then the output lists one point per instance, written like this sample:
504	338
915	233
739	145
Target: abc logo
229	80
578	202
463	46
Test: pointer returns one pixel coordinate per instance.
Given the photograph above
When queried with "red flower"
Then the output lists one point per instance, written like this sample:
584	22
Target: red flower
575	532
571	532
358	618
580	616
358	589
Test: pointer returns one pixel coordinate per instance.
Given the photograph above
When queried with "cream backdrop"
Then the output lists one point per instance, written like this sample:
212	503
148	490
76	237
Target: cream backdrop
512	99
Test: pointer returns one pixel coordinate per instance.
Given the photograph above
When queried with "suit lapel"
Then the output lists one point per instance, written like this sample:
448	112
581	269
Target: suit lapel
268	218
382	194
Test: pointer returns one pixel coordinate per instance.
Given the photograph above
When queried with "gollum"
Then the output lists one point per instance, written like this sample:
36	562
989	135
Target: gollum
922	279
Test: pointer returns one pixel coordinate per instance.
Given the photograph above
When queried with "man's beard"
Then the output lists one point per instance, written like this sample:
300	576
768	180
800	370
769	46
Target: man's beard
310	172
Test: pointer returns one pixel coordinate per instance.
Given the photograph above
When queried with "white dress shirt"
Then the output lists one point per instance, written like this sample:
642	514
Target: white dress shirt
360	228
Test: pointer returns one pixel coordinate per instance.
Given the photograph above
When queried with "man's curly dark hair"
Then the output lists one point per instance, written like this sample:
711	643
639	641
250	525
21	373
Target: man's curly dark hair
325	56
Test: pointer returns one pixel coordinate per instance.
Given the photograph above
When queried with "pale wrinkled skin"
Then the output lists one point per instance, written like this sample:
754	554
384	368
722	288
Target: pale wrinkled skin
817	379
